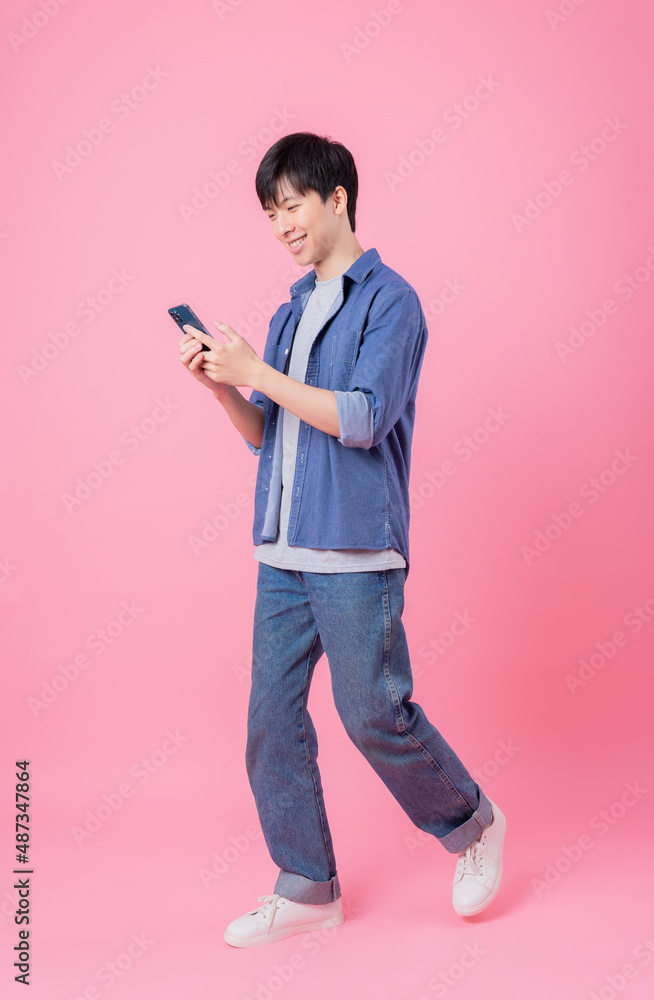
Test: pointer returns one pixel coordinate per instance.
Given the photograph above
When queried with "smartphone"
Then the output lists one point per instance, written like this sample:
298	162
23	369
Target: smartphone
184	314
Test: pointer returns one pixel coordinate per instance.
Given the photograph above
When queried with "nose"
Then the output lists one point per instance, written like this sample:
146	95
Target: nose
284	225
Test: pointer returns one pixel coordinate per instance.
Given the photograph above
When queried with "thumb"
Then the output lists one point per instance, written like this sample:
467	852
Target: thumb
226	330
204	338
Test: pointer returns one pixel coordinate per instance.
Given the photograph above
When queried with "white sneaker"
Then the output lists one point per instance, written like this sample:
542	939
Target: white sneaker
479	868
279	918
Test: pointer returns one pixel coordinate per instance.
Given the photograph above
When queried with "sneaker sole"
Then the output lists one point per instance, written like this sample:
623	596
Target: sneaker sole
284	932
481	906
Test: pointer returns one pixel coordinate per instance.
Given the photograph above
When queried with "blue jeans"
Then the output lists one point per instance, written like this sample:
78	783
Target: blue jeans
356	620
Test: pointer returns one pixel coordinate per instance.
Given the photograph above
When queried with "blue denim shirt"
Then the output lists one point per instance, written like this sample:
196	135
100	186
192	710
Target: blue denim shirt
350	492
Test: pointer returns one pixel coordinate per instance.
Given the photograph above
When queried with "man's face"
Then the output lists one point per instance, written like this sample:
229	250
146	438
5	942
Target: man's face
308	229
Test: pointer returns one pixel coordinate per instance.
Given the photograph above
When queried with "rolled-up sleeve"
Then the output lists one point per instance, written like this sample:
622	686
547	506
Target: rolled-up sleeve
253	448
257	399
389	359
355	419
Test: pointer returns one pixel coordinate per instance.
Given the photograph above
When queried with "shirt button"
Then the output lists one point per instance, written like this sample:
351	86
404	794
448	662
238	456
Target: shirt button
286	351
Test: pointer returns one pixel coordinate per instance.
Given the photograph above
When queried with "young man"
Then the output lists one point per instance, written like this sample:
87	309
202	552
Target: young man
331	417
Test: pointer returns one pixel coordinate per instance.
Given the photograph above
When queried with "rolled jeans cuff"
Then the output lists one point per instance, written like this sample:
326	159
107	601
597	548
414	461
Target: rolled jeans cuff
304	890
464	835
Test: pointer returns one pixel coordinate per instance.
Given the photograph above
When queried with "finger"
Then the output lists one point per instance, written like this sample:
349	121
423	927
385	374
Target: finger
227	330
197	368
189	350
185	339
204	338
196	361
196	353
191	346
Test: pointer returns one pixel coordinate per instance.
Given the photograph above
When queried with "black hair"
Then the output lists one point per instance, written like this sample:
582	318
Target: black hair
308	162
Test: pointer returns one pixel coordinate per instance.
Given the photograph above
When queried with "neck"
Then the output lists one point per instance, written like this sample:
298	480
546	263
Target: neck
338	261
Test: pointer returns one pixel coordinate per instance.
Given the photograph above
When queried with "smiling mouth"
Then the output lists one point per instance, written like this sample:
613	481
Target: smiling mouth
296	243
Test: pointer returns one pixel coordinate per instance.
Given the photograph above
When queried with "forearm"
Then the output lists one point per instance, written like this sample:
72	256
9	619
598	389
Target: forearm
313	405
246	416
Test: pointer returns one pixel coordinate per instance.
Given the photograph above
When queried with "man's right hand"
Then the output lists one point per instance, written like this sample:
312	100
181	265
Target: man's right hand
192	358
246	417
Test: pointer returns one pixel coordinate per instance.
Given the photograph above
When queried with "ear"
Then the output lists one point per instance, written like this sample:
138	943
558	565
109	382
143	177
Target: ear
339	201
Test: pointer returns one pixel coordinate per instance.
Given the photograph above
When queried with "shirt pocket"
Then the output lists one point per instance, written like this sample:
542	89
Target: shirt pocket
345	349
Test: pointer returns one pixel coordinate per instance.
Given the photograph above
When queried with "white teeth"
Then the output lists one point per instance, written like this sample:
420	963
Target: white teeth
296	243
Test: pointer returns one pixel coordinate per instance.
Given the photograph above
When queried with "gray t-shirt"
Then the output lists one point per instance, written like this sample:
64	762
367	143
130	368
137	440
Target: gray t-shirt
279	553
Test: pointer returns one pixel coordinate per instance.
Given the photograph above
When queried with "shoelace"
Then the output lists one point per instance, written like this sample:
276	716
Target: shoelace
471	861
270	902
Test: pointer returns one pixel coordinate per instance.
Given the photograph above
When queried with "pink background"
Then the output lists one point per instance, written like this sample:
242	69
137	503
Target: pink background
180	852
